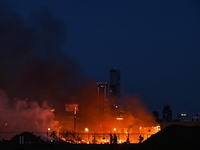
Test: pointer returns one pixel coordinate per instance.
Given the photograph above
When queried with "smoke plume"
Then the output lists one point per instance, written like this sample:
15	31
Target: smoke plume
35	76
24	116
32	63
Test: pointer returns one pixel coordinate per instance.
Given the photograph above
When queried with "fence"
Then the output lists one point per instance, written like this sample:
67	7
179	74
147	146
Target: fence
88	138
102	138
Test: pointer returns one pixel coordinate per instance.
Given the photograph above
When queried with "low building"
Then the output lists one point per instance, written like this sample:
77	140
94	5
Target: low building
183	117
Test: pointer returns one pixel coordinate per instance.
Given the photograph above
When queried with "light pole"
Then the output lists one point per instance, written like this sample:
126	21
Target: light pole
48	129
119	119
3	129
75	119
87	131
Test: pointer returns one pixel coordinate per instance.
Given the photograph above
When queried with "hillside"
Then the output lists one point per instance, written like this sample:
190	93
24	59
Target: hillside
173	137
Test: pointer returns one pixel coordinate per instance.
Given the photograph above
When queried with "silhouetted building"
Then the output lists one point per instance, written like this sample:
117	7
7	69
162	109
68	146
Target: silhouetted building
102	95
167	114
156	115
115	87
196	118
183	117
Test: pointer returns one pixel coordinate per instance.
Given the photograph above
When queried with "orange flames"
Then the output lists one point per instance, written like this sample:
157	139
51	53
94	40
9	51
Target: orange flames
95	125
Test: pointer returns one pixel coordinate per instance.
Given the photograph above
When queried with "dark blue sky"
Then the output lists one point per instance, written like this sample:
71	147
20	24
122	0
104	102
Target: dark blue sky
156	44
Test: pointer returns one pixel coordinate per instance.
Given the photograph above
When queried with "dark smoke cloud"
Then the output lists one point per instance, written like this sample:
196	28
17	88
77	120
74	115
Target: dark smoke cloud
31	62
33	66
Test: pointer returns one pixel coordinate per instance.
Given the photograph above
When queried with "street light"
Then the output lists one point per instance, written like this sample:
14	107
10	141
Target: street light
119	119
4	129
48	129
87	130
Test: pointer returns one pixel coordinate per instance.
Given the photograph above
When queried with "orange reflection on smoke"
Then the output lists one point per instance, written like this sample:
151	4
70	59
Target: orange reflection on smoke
95	121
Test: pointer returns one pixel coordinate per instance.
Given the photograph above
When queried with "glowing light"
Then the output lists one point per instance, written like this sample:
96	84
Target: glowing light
6	124
114	129
63	139
49	129
86	129
52	110
119	118
158	128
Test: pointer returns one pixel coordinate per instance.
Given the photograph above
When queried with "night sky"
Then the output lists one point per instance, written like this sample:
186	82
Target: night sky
155	44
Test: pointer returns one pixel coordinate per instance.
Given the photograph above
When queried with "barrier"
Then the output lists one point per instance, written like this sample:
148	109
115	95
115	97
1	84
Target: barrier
86	138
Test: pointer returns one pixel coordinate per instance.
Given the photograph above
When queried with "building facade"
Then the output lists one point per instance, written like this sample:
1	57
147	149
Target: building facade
167	114
115	79
183	117
102	95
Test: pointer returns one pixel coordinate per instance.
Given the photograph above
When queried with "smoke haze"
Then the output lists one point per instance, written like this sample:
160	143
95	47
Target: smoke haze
31	62
33	66
23	116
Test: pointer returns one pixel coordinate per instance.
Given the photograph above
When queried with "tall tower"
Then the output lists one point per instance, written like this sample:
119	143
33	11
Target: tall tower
102	95
167	114
115	87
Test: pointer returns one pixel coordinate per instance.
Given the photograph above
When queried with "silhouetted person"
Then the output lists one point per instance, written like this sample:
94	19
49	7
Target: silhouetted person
111	140
127	140
115	141
140	139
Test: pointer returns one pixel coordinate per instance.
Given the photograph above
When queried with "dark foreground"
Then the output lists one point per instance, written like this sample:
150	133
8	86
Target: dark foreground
69	147
173	137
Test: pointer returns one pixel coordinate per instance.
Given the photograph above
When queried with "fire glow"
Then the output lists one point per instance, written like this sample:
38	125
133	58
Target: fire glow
104	138
40	80
84	124
94	126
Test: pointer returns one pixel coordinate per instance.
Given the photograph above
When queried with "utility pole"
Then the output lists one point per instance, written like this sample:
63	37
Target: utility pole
75	119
